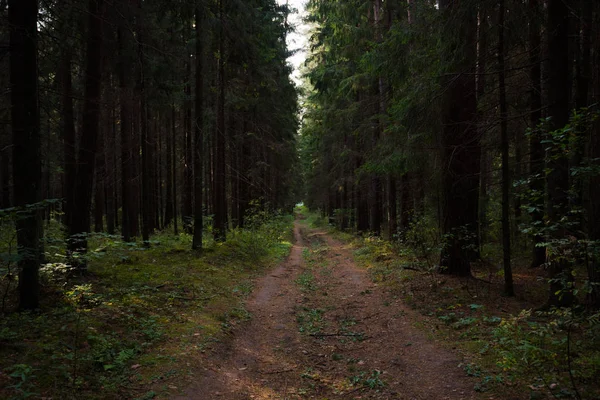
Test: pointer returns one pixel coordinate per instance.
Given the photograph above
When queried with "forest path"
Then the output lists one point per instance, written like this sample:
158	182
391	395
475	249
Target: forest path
320	329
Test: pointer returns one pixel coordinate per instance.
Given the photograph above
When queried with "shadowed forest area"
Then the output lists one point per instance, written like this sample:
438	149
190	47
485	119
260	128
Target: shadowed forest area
180	219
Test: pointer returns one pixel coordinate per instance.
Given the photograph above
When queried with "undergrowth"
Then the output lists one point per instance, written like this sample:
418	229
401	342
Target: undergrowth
131	326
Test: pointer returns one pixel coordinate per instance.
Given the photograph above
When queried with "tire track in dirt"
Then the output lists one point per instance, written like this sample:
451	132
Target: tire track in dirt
357	342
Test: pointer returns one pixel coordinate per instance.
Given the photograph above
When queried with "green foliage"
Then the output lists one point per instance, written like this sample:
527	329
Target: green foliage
368	380
564	234
306	281
310	321
559	347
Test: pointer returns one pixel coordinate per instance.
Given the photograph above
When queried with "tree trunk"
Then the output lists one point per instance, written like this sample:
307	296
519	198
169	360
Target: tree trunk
557	177
592	205
68	128
220	196
174	171
99	188
392	207
169	203
504	147
536	149
407	205
188	172
125	98
80	221
27	168
110	163
5	160
198	132
460	146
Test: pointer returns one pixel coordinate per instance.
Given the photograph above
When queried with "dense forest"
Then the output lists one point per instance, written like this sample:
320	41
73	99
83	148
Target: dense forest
137	116
477	119
152	153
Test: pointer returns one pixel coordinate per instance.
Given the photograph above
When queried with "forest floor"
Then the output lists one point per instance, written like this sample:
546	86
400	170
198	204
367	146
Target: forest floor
322	329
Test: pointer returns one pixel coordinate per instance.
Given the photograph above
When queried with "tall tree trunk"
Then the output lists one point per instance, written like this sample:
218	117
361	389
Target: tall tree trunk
125	98
80	221
407	204
198	132
68	128
188	171
220	196
592	205
536	149
145	172
27	168
174	171
392	207
557	177
111	173
504	147
99	188
5	160
146	156
460	145
482	54
169	203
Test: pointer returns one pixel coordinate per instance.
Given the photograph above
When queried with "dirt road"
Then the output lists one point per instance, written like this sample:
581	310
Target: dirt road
320	329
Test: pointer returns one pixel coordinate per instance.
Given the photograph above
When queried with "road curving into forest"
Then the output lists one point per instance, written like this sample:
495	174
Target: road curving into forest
320	329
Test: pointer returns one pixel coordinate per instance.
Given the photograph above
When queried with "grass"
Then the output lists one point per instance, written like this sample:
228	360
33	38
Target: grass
135	323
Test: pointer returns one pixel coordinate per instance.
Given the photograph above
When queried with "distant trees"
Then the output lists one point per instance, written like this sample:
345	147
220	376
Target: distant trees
459	80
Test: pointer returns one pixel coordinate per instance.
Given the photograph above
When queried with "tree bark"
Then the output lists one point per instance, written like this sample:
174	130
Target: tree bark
536	149
125	98
68	128
80	223
460	145
504	147
169	203
99	184
557	177
199	133
27	168
220	195
188	171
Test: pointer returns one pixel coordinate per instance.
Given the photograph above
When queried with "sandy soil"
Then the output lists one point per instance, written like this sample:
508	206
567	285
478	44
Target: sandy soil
333	336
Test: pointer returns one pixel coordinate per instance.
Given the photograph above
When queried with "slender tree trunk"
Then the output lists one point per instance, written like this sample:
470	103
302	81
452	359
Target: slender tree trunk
460	146
27	168
557	177
504	145
169	203
392	207
174	171
99	188
125	93
482	54
220	206
188	171
536	149
407	204
5	161
111	165
80	222
146	161
198	132
68	128
592	205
